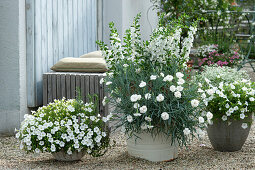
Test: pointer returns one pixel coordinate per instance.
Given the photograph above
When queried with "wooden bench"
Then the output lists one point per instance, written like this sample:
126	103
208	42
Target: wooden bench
57	85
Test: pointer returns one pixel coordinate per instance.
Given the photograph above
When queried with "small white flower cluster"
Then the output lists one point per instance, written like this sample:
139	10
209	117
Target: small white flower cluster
205	50
236	99
41	132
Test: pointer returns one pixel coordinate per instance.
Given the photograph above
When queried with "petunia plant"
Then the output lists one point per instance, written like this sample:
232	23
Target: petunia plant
64	125
148	83
227	99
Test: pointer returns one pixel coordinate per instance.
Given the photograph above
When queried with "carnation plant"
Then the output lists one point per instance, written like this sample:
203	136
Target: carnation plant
64	125
148	83
226	94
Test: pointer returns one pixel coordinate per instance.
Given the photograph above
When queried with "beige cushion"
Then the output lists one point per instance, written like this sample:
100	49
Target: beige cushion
94	54
96	65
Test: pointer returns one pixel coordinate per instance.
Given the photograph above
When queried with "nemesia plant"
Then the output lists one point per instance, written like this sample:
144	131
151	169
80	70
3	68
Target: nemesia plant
227	98
64	125
210	54
148	83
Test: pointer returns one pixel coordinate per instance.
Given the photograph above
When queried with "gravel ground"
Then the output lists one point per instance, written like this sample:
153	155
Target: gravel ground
198	155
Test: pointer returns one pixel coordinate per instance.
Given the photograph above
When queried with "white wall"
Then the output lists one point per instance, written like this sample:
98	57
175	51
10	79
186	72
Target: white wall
12	65
122	12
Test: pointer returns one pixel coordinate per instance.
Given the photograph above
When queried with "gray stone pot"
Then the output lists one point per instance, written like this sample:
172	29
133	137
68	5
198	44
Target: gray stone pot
63	156
228	138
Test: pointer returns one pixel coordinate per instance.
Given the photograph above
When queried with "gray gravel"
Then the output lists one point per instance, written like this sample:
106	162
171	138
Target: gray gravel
198	155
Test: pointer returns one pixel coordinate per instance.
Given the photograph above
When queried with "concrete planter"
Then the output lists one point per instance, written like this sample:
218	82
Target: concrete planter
228	138
154	149
63	156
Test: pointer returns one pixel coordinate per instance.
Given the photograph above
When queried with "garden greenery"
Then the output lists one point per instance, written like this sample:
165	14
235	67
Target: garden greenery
148	83
64	125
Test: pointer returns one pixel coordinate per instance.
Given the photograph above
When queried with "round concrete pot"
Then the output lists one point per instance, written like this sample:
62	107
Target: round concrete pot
228	138
63	156
154	149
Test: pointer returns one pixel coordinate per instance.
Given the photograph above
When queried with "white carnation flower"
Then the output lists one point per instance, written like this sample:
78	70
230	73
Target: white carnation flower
177	94
172	88
160	98
179	75
137	114
153	77
194	103
148	119
186	131
181	81
179	88
143	109
147	96
168	78
165	116
129	118
136	105
135	97
142	84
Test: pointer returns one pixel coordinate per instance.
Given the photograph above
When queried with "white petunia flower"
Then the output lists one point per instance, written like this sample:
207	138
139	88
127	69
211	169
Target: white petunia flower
143	109
242	116
129	118
172	88
251	99
108	83
177	94
160	98
101	81
165	116
70	108
244	89
179	75
244	125
201	120
153	77
147	96
142	84
209	115
194	103
168	78
224	118
186	131
227	106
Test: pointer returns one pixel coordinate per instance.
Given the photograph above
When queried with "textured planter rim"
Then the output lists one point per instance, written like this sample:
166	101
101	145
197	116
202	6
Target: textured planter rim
63	156
152	148
228	138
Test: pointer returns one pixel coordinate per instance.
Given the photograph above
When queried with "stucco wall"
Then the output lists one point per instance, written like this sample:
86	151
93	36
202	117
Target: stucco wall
122	12
12	65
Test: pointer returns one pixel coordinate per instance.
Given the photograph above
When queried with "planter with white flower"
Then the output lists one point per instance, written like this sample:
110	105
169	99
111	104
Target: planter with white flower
66	128
229	99
154	101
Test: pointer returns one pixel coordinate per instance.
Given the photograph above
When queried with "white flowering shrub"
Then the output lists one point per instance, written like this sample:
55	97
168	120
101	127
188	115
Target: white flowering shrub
148	83
65	125
227	96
